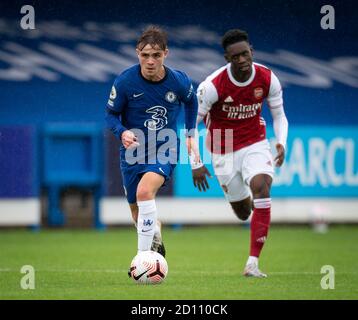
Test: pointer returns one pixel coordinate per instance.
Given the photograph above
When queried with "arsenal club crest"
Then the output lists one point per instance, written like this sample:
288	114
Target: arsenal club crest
258	93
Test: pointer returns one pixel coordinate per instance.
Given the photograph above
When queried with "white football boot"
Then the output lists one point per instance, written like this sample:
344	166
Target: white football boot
252	270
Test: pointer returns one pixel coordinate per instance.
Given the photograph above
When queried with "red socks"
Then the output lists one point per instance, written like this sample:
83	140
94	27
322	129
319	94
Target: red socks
260	224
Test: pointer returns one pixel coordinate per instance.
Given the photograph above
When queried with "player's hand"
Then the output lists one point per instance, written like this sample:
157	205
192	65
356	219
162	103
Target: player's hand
279	159
193	149
199	178
129	139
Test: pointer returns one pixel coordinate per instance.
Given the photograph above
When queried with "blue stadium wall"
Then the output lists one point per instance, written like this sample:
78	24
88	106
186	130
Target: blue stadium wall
62	72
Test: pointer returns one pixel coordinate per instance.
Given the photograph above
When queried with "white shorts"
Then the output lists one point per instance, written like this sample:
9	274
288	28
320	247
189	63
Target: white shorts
235	170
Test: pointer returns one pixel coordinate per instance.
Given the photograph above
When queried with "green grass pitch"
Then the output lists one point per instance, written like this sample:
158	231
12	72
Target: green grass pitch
204	263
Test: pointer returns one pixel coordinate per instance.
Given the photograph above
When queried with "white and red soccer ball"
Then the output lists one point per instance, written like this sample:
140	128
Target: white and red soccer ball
148	267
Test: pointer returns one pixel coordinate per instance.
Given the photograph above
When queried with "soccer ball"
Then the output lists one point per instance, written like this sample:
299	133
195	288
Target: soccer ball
148	267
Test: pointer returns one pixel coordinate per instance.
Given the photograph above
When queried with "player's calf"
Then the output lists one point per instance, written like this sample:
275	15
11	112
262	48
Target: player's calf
242	208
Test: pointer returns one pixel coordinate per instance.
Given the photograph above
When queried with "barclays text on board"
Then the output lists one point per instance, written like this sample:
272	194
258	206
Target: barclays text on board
320	162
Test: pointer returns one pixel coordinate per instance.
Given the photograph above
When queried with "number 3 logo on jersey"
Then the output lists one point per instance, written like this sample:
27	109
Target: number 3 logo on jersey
158	120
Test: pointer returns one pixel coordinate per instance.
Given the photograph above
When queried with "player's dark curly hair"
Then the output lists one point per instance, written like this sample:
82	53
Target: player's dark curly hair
232	36
153	35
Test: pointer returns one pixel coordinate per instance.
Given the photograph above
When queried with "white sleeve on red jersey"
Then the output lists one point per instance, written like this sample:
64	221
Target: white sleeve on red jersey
207	96
274	97
275	101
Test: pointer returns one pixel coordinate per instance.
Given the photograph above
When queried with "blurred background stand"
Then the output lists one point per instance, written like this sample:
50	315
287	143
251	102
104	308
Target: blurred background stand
20	203
73	158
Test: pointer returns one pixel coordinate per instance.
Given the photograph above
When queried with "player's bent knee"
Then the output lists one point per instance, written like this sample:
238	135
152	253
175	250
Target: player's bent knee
144	193
260	186
261	191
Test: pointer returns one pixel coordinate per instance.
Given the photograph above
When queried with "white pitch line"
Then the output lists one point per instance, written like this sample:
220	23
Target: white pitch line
172	272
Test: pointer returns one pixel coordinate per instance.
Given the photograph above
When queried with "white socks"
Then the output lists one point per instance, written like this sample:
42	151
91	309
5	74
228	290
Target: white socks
146	224
252	260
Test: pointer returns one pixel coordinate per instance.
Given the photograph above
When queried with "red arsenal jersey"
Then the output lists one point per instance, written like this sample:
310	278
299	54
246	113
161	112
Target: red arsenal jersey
232	109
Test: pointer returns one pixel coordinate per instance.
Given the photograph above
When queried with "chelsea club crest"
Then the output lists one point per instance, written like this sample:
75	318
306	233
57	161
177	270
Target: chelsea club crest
170	96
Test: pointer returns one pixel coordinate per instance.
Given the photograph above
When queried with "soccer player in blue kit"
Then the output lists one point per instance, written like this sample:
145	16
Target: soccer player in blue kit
142	112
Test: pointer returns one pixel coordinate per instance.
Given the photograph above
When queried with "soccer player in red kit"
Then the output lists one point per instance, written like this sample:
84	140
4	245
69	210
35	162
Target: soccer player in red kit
230	103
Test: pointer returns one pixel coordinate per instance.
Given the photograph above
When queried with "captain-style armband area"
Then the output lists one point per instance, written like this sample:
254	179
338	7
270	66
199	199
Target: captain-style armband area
194	164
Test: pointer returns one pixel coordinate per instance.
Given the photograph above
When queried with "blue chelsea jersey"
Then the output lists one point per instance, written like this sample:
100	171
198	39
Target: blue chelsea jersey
145	104
152	106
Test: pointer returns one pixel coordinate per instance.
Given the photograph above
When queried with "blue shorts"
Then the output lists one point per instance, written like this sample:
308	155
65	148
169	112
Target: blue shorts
133	173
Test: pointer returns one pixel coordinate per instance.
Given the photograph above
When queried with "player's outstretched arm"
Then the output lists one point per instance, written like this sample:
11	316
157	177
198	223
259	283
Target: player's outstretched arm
280	123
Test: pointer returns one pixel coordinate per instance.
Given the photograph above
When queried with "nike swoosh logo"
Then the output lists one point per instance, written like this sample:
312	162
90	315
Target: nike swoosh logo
139	275
161	170
145	230
137	95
